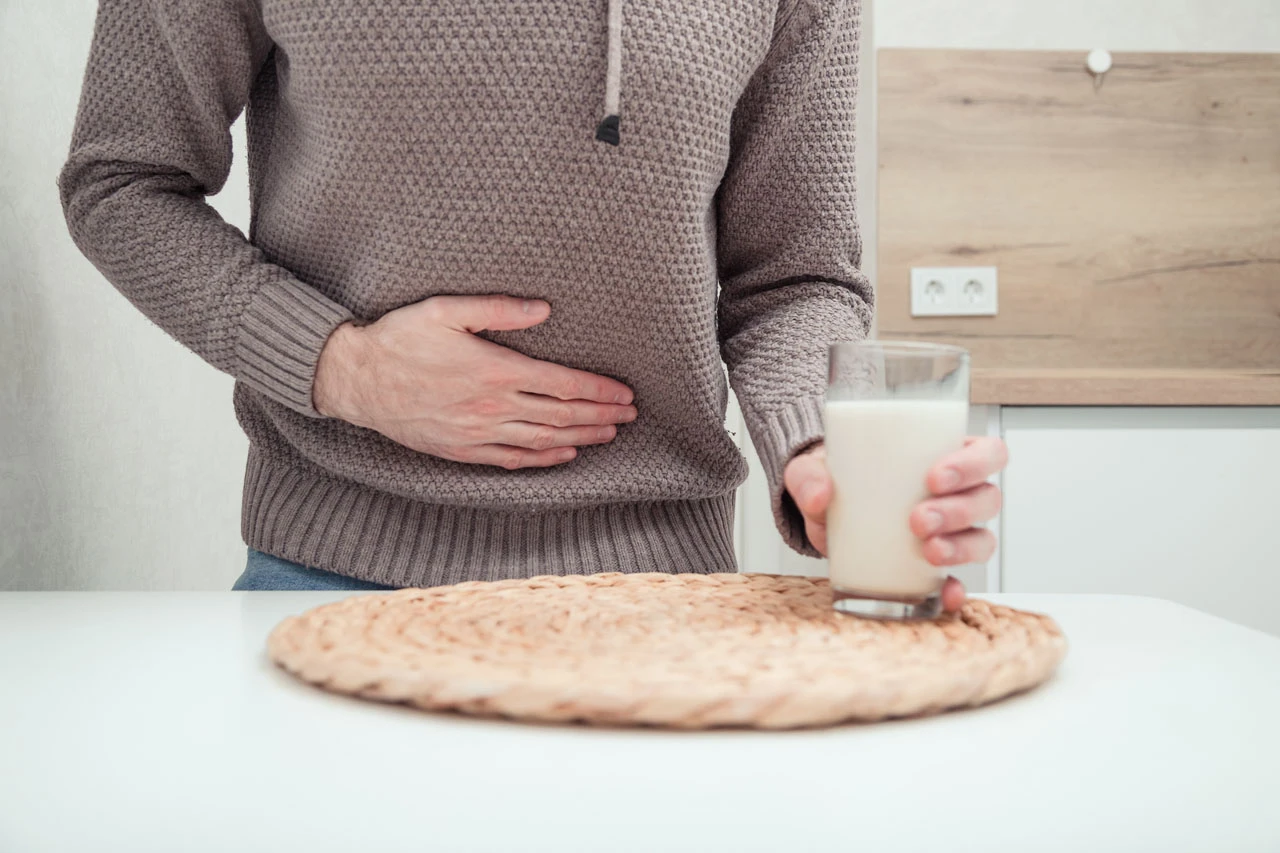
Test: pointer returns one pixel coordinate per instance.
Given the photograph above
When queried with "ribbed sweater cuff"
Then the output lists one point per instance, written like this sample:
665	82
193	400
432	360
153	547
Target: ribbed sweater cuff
281	336
778	437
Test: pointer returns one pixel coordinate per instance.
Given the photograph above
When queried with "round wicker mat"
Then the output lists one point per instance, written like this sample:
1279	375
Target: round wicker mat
688	651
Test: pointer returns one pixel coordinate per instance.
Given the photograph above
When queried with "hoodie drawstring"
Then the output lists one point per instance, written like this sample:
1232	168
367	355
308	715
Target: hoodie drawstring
609	128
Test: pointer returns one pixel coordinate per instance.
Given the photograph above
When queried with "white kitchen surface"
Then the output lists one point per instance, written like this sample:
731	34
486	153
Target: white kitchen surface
152	722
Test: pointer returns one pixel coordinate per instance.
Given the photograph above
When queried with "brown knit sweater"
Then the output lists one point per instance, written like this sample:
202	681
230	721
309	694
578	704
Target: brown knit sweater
402	150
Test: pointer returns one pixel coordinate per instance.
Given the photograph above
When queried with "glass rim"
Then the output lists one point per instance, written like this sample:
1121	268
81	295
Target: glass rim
922	349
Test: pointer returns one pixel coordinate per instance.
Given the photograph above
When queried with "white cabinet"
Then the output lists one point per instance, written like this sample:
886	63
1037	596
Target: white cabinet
1177	503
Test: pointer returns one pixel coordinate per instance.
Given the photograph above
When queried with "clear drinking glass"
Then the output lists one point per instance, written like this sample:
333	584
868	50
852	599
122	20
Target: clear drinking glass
893	410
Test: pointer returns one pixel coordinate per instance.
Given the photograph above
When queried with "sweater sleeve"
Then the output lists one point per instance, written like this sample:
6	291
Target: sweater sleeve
164	83
788	243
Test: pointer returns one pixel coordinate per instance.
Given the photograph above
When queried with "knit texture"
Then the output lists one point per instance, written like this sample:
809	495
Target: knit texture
403	150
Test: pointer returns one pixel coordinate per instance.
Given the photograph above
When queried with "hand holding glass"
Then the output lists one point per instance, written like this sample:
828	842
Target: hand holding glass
893	410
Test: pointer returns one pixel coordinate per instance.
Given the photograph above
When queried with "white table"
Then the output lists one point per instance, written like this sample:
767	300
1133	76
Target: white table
152	721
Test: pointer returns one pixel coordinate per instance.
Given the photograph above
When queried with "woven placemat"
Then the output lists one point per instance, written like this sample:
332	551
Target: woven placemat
687	651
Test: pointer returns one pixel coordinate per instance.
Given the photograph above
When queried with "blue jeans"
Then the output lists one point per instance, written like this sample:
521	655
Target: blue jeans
264	572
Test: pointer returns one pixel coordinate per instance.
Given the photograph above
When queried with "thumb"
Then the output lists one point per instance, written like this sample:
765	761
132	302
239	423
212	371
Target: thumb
487	313
809	484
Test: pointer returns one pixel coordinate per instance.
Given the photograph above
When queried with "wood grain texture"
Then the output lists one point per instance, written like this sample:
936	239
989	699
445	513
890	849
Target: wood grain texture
1136	227
1124	387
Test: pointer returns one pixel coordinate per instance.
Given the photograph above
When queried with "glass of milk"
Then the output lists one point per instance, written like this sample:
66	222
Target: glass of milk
893	411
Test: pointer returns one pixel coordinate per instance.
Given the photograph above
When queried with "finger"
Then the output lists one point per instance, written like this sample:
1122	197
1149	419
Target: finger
543	437
817	533
809	483
956	549
956	512
966	468
511	458
565	383
953	595
536	409
480	313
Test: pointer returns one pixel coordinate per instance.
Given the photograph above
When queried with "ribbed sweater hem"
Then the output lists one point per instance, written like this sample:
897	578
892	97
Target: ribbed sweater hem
347	528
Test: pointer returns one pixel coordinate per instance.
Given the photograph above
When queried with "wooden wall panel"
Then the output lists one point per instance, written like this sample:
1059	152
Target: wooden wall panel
1136	226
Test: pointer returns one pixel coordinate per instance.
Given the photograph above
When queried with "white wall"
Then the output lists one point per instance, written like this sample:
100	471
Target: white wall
1139	25
120	459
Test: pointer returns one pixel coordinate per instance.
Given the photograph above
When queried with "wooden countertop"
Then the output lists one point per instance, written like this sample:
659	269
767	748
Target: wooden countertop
1124	387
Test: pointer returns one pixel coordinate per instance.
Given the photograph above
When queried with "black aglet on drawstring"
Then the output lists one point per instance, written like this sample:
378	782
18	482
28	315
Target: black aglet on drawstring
608	130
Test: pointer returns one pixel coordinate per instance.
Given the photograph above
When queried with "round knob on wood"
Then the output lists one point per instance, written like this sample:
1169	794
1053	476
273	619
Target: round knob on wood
1098	61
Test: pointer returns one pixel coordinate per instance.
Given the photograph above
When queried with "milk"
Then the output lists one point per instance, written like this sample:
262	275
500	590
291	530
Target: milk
878	452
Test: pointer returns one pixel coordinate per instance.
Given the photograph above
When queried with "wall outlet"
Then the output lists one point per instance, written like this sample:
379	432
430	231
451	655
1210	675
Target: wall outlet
953	291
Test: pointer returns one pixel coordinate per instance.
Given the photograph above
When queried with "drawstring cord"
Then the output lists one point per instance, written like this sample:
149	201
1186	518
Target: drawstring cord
609	128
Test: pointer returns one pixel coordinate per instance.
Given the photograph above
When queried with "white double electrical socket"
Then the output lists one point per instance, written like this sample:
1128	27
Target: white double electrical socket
953	292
